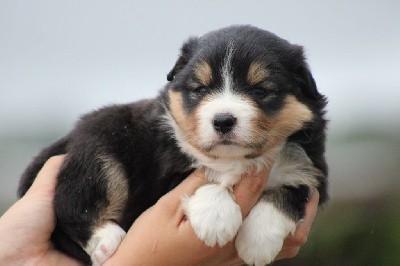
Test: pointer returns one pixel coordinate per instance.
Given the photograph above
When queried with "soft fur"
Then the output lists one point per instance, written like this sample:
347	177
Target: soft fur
236	99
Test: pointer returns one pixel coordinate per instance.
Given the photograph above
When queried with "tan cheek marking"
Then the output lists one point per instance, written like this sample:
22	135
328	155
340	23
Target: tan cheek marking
203	73
292	117
274	130
187	123
257	73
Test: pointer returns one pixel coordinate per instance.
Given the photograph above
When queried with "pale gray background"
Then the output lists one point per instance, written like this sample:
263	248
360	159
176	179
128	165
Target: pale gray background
59	59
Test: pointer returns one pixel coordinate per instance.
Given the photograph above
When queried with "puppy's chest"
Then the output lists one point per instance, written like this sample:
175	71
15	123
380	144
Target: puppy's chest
229	172
290	166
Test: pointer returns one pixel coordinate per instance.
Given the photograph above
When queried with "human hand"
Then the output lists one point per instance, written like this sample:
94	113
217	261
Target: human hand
293	243
156	237
162	235
29	223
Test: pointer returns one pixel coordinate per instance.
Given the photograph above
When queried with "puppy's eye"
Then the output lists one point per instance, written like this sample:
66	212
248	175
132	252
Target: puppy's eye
201	90
258	92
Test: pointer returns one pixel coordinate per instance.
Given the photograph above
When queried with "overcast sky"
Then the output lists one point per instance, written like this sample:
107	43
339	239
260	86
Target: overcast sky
59	59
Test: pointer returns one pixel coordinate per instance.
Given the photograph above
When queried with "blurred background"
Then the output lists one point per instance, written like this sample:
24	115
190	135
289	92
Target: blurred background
60	59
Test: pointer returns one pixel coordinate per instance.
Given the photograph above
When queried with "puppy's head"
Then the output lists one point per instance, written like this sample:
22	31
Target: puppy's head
238	92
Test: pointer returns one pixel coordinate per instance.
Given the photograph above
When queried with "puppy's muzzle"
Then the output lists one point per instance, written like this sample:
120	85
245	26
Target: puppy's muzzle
224	123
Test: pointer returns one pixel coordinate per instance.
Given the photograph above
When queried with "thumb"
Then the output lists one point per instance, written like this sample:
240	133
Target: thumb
171	201
45	181
249	189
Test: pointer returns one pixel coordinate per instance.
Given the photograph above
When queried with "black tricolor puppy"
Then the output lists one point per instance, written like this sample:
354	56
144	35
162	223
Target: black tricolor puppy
236	98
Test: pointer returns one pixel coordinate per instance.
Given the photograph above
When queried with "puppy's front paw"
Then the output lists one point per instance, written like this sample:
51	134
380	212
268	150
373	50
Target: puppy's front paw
104	242
261	236
213	214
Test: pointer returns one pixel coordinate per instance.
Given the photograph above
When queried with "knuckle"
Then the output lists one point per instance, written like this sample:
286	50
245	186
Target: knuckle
291	253
164	203
300	239
256	186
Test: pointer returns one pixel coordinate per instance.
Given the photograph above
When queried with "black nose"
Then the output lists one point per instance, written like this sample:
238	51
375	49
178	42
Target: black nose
224	123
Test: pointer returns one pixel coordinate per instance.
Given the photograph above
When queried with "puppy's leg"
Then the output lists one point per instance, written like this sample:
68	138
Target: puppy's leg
279	209
104	242
89	202
272	219
214	215
107	237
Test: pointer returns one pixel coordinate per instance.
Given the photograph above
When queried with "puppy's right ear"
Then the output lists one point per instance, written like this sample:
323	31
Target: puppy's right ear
187	52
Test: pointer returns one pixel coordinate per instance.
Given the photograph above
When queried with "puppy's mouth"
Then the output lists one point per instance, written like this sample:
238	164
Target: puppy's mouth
227	142
228	139
231	142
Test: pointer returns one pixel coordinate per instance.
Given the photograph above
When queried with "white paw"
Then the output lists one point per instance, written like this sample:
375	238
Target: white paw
104	242
213	214
263	231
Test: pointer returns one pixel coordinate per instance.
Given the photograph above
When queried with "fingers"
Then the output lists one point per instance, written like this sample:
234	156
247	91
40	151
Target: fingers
248	190
292	244
171	201
303	229
191	183
46	180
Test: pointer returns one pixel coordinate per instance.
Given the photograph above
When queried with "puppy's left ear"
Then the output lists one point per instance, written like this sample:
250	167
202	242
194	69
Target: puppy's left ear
302	75
187	52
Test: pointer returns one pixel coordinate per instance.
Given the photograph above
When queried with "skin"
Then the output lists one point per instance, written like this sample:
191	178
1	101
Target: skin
161	235
28	224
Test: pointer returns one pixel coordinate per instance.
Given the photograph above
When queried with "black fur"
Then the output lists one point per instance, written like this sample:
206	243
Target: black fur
136	136
133	135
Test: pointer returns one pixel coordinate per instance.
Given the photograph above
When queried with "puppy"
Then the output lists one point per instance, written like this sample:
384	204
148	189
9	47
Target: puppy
237	98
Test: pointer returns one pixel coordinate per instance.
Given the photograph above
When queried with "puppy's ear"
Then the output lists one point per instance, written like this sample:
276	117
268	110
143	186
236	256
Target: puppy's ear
303	77
187	52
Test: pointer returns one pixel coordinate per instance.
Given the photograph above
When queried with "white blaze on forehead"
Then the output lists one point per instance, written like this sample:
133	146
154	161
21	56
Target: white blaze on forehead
226	101
226	70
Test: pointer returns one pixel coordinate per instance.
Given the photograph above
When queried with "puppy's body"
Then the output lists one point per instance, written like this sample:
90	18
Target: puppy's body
119	162
237	97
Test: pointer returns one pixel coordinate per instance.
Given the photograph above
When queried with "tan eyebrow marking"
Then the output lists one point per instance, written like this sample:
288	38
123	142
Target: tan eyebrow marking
203	73
257	73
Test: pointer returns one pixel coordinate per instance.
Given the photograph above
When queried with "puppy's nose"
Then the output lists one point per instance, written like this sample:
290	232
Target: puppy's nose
224	123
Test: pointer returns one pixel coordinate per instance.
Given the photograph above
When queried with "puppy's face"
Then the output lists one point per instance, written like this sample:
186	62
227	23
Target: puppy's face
238	92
